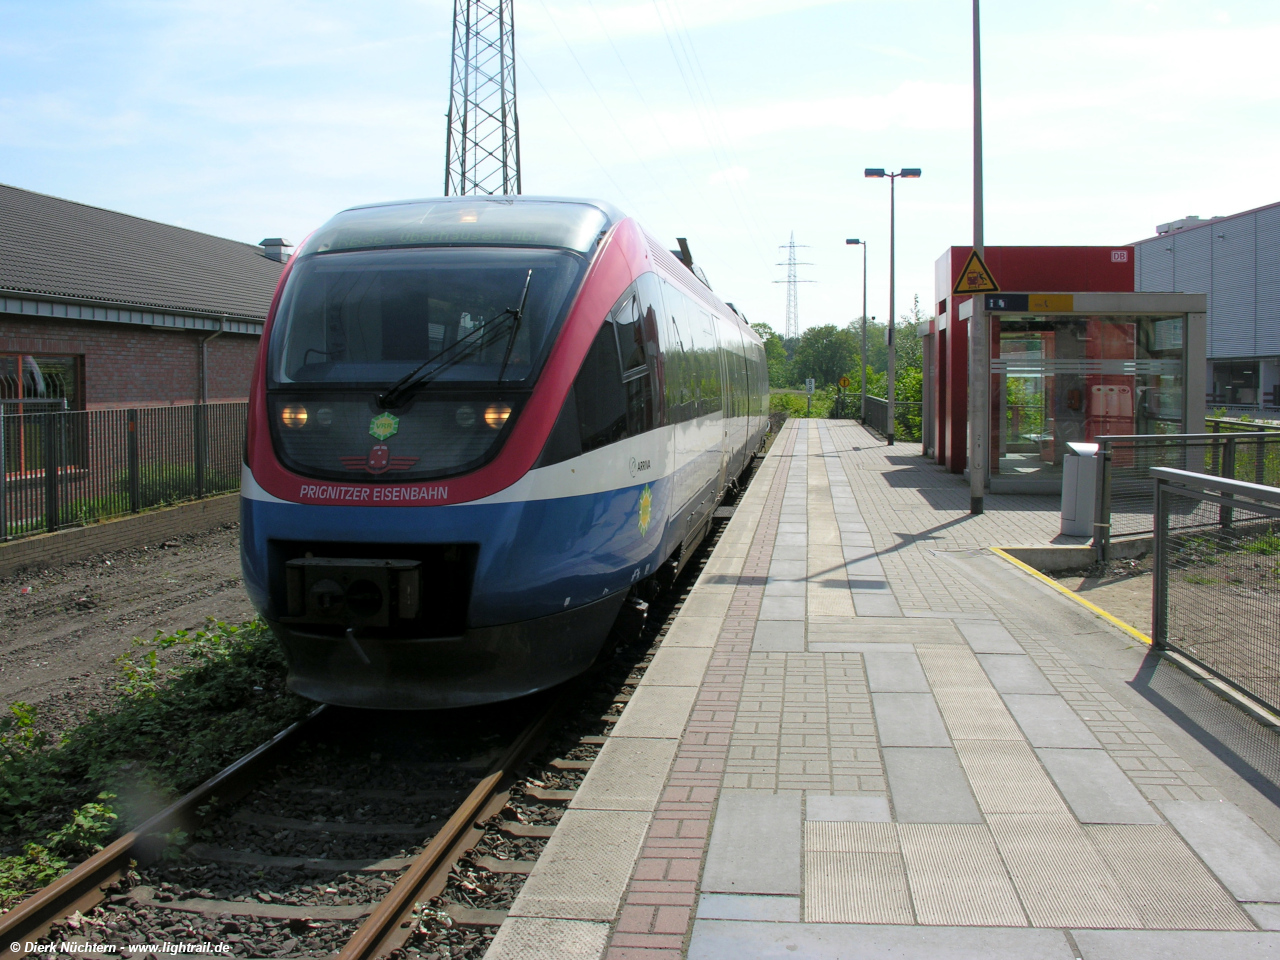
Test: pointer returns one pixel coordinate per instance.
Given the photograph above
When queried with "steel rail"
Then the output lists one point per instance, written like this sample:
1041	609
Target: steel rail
81	887
386	927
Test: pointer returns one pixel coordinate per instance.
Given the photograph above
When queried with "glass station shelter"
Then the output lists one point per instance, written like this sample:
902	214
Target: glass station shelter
1076	356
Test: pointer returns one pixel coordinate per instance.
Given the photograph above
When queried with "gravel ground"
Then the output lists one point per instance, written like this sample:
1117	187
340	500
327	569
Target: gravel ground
59	640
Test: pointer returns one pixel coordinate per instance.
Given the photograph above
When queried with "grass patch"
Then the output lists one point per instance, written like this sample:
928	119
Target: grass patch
61	800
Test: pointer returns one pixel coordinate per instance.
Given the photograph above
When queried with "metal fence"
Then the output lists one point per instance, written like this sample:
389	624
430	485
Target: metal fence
66	468
906	417
1217	577
1124	502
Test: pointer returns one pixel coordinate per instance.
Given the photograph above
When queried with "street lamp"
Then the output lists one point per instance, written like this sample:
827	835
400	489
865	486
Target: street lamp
862	410
909	173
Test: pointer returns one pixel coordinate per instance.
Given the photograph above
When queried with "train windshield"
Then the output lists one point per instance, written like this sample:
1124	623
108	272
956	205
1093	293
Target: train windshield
373	317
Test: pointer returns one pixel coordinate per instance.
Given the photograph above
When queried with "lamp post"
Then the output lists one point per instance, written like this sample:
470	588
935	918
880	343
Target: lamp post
908	173
862	355
979	337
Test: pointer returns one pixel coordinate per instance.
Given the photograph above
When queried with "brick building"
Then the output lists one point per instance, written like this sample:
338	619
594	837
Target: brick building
107	310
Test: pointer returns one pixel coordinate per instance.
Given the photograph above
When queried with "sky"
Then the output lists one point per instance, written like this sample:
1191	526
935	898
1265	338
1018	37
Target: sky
734	123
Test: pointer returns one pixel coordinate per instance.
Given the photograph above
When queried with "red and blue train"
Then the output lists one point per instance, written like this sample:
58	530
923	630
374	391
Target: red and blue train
478	427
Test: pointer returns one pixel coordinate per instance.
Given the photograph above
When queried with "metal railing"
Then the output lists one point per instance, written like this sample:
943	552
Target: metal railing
1227	425
66	468
1124	505
906	417
1216	592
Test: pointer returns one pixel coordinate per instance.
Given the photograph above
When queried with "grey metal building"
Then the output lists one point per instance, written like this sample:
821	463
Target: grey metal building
1235	260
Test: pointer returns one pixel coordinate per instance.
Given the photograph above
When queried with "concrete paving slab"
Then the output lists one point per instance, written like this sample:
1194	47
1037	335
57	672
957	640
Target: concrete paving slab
585	867
894	672
956	876
1014	673
785	588
909	720
1236	849
689	631
797	538
1007	778
853	873
1061	878
537	938
732	906
678	666
1265	915
788	570
869	605
1096	789
876	629
628	774
1049	721
730	940
656	712
1175	945
871	586
927	785
785	553
778	636
704	603
989	636
1166	883
755	843
791	526
869	807
782	608
889	646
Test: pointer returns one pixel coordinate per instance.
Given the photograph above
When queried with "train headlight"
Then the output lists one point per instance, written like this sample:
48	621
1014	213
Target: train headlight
495	415
465	417
294	416
324	417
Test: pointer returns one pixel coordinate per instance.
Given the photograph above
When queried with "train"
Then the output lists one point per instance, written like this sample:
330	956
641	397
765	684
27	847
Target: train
482	432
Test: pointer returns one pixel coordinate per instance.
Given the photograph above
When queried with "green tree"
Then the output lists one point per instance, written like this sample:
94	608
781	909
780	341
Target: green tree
777	355
826	354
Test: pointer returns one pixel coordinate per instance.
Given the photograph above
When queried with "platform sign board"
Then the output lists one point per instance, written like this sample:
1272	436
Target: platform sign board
810	385
1030	303
844	383
975	277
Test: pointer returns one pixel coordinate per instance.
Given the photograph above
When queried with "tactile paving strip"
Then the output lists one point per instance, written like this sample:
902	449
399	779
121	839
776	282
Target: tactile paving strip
956	877
975	714
1007	778
952	668
853	873
828	598
1062	879
1167	884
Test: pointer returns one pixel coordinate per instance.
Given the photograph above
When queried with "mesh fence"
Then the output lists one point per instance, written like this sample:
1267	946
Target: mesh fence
1127	492
1217	581
62	469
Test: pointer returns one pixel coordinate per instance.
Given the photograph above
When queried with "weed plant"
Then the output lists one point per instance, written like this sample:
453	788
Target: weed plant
62	800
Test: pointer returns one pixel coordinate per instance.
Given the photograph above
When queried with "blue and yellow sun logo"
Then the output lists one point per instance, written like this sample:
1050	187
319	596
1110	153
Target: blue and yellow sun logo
645	510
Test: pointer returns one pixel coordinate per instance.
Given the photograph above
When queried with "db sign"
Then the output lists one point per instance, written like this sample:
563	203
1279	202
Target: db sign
1119	256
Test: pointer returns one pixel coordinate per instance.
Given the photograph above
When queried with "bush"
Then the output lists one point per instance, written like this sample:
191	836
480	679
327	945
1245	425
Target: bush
165	734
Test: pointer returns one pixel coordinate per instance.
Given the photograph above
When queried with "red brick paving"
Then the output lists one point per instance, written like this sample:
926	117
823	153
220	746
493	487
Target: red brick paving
658	908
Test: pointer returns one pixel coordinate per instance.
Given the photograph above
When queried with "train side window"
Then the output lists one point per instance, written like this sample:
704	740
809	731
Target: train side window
630	334
601	400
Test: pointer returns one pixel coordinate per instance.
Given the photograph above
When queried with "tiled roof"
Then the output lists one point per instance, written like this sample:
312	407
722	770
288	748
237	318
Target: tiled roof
59	248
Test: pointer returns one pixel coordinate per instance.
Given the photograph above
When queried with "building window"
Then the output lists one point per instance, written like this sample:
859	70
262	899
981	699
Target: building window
40	379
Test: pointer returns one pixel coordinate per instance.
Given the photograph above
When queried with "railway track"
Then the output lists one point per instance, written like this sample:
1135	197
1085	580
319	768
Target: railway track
357	834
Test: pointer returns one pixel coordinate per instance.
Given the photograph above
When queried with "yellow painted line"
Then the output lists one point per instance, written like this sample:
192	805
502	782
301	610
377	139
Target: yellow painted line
1132	631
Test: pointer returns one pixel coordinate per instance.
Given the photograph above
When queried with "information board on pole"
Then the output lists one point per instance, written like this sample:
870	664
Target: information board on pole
975	277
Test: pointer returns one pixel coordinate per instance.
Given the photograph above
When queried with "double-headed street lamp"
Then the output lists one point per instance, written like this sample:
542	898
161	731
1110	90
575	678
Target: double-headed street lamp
862	410
909	173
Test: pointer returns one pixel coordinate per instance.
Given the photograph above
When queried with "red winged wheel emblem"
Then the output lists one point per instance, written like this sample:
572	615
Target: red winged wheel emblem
378	460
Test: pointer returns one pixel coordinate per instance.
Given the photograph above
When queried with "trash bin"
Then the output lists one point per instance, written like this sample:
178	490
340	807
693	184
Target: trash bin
1079	488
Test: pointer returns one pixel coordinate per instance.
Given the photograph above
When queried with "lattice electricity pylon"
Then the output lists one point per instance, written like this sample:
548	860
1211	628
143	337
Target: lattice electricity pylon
482	152
793	280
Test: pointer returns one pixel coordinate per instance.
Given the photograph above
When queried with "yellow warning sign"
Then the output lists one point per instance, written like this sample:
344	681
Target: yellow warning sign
975	277
844	382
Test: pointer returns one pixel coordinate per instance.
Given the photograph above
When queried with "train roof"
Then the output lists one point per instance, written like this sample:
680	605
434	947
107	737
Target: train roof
572	224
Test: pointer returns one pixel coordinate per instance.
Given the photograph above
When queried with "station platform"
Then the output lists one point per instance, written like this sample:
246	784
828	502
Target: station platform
868	736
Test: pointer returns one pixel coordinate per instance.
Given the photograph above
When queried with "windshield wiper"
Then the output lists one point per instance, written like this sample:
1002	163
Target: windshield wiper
484	334
515	325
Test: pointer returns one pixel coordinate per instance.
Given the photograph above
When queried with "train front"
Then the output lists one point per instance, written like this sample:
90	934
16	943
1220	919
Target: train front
401	395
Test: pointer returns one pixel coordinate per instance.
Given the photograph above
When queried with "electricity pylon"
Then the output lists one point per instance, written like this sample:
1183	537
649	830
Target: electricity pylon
482	151
793	281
